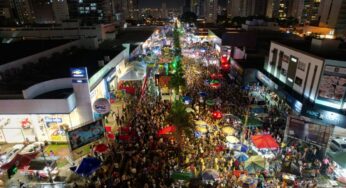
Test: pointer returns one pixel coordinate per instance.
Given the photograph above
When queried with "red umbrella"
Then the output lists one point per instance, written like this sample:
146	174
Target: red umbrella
111	136
101	148
217	115
108	128
167	130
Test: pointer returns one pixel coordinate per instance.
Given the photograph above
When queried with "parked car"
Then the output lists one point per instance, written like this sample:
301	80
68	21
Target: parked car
338	145
9	155
31	148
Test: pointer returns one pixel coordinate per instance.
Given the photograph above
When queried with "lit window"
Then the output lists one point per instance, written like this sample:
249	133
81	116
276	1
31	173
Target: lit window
80	1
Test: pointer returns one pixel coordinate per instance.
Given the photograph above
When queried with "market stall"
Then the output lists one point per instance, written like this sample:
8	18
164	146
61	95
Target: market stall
264	145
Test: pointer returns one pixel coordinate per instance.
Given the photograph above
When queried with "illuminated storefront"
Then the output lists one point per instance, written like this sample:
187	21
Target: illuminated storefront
37	127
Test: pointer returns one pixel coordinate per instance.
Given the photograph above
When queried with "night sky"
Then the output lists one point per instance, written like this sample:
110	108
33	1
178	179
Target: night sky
170	3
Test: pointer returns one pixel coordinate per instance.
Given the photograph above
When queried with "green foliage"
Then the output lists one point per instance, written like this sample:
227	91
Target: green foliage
177	78
181	119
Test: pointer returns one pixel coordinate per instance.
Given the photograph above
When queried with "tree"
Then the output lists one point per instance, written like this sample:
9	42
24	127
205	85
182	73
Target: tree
181	120
188	17
177	79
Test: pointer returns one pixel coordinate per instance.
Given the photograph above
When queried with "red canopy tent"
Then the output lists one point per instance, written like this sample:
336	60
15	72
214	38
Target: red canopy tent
264	141
167	130
101	148
20	161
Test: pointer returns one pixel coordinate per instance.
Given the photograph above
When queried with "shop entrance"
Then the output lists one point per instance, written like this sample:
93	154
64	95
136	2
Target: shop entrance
13	135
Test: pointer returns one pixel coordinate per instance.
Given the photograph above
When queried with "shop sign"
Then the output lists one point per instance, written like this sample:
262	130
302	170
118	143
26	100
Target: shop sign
267	81
52	120
101	106
78	72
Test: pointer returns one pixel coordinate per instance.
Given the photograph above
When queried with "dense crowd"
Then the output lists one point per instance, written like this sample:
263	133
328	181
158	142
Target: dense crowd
147	159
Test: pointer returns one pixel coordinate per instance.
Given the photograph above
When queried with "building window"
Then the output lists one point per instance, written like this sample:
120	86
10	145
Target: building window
283	72
298	81
285	58
301	66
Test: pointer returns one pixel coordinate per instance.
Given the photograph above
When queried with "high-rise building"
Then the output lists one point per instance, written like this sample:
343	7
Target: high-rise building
211	7
22	11
42	11
269	8
91	12
310	12
164	11
5	9
60	10
333	14
132	9
246	8
295	9
280	9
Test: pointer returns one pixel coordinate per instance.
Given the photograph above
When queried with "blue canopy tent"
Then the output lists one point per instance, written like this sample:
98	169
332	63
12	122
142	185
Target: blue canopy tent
87	167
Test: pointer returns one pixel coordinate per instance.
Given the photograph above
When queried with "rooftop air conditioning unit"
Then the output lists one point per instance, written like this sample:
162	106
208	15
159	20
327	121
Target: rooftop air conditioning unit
107	58
101	63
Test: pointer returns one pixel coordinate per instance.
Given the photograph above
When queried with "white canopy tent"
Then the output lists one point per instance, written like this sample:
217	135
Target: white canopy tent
132	71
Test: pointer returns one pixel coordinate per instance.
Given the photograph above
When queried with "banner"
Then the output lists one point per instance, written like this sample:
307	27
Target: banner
86	134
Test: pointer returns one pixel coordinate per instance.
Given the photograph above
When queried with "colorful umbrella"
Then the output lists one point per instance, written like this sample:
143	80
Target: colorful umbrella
241	157
217	114
202	94
232	139
228	130
188	110
182	176
167	130
201	129
255	163
187	100
101	148
200	122
210	175
210	102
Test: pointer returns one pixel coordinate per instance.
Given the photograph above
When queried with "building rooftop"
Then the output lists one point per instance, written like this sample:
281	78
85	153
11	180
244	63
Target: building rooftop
58	66
134	35
305	47
20	49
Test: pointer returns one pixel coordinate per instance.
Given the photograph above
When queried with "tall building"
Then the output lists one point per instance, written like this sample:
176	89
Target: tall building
269	8
310	11
333	14
246	7
280	9
295	9
164	11
5	9
60	10
91	12
22	11
133	10
42	11
211	7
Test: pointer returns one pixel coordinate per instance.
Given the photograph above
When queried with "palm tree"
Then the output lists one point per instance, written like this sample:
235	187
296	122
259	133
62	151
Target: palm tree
182	120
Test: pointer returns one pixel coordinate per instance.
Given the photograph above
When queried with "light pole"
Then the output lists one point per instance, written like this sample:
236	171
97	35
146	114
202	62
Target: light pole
45	160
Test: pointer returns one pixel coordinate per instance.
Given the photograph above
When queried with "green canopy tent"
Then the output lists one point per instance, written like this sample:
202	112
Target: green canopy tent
210	102
254	122
182	176
339	158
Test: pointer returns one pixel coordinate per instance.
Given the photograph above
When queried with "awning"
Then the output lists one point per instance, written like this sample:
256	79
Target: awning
21	160
264	141
41	164
88	166
167	130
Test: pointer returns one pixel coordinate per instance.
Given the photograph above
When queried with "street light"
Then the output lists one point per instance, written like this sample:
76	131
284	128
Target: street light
48	169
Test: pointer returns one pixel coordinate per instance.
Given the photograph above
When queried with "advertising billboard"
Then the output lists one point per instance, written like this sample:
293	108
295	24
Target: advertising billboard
86	134
309	131
333	84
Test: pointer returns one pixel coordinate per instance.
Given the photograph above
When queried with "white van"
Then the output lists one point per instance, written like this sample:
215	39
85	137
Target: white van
338	145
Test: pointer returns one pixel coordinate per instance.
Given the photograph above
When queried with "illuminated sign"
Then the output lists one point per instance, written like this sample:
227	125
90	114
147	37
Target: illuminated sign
79	72
293	59
52	120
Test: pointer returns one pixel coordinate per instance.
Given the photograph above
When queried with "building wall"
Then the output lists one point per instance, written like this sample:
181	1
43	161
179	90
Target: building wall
60	10
302	76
